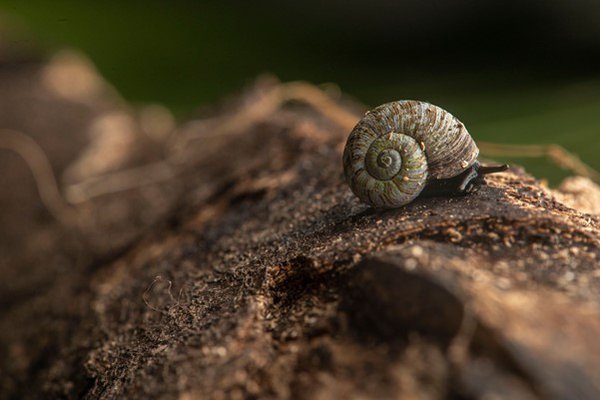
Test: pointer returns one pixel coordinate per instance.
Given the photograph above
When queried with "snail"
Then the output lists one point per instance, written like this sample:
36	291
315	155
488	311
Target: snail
405	149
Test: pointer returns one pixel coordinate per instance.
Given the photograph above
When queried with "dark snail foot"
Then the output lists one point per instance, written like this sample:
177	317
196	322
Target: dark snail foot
467	182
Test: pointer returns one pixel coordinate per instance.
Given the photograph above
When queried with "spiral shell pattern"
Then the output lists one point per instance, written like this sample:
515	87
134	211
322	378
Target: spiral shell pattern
395	148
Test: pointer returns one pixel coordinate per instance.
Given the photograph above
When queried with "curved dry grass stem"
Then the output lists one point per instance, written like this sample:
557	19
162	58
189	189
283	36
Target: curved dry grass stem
39	165
265	104
558	155
120	181
319	100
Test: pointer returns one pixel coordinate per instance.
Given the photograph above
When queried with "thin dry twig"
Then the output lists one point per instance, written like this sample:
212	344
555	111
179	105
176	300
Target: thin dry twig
120	181
37	161
555	153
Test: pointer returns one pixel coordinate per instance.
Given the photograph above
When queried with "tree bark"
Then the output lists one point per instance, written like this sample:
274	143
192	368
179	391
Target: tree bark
249	270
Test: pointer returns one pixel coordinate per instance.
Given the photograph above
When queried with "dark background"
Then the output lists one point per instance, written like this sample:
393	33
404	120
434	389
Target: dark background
514	71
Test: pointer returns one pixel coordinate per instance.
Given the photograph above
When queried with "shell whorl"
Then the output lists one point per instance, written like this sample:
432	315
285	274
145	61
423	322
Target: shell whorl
388	170
398	146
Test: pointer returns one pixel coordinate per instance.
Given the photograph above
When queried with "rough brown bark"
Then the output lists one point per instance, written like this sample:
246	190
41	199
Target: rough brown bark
253	272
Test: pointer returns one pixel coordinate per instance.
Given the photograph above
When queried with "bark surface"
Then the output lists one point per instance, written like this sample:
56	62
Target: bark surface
253	272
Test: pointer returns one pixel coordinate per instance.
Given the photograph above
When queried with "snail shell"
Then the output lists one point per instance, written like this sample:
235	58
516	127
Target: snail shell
398	147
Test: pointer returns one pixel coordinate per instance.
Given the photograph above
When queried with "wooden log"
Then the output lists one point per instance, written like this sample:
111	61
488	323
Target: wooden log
249	270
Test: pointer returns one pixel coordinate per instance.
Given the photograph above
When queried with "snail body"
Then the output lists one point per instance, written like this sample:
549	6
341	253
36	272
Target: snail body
407	148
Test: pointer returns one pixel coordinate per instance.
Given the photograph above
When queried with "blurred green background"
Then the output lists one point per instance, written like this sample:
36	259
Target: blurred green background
513	71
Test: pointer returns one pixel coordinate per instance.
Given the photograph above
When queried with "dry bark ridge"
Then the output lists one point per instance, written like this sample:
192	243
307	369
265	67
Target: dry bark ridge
257	274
